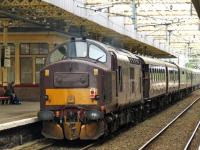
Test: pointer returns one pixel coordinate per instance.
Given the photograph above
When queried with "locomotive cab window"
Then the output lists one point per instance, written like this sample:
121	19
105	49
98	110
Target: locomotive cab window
97	54
58	54
77	49
68	50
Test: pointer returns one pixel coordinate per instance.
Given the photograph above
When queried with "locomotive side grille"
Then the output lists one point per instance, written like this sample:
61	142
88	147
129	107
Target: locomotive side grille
71	80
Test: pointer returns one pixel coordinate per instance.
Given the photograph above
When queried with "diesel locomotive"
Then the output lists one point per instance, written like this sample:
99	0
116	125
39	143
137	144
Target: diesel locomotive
89	88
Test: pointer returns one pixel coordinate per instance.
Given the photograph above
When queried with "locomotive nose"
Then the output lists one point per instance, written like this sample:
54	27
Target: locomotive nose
70	82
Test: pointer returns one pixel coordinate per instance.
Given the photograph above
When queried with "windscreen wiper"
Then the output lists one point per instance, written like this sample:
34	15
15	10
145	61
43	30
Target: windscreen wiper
99	58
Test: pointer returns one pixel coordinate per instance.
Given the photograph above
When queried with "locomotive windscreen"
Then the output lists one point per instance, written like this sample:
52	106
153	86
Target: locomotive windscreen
77	49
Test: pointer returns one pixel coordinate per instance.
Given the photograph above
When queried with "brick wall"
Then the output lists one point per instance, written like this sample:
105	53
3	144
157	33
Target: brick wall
28	93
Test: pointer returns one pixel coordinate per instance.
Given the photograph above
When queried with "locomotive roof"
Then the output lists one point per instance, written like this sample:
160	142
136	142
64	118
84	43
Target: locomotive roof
118	50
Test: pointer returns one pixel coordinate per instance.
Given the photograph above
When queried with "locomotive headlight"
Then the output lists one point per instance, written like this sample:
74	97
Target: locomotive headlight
96	71
46	97
46	73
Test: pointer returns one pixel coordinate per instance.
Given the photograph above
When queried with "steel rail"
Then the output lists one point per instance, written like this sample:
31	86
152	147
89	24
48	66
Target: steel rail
192	136
167	126
88	146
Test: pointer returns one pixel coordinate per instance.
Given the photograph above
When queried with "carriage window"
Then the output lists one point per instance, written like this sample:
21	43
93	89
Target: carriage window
151	77
156	74
97	54
163	74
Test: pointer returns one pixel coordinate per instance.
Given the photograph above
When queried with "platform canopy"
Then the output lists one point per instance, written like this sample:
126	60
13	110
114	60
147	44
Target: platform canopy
61	15
172	21
197	6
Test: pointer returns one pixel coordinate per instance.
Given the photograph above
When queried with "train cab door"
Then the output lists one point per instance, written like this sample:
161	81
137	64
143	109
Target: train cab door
114	68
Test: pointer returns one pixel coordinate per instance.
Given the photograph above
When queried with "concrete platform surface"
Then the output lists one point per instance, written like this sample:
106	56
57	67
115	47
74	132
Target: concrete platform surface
10	113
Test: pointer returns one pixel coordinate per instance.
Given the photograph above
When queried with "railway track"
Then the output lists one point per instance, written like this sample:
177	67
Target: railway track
162	131
192	136
42	144
38	144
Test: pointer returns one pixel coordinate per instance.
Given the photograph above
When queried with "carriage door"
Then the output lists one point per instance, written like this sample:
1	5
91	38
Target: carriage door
114	75
145	81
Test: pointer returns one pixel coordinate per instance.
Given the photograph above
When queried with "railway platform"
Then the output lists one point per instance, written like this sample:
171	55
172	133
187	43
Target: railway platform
19	124
17	115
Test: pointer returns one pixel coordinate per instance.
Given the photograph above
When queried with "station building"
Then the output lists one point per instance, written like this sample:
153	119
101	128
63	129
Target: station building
28	51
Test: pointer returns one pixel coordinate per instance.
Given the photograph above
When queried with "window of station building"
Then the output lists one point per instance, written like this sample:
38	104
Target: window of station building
39	63
11	71
26	70
24	49
44	48
34	48
32	54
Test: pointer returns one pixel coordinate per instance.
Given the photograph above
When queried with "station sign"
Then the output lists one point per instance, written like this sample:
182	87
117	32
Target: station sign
7	52
5	57
7	62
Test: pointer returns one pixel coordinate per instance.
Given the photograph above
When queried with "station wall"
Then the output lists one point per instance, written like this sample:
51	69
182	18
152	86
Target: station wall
28	53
